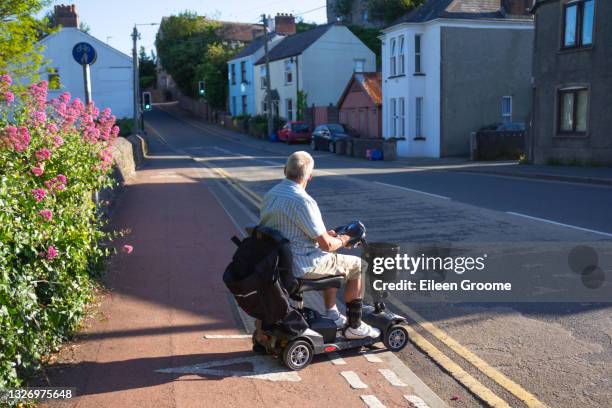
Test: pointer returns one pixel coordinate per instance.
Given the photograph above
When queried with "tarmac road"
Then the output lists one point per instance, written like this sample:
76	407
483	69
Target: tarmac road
559	353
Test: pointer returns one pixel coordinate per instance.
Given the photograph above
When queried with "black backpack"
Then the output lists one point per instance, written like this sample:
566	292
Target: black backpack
260	276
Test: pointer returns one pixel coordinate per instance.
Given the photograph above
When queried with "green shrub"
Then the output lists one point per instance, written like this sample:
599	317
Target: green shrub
52	157
126	126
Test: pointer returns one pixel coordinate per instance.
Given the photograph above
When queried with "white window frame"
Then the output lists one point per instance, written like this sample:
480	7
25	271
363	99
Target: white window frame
289	109
418	60
401	59
402	117
262	76
234	108
418	117
288	72
506	116
393	117
392	58
362	62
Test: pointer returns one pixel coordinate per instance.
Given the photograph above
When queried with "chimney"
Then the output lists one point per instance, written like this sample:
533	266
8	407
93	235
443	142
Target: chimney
66	16
516	7
284	24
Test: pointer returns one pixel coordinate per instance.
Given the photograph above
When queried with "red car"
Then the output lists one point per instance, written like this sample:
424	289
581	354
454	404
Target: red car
294	132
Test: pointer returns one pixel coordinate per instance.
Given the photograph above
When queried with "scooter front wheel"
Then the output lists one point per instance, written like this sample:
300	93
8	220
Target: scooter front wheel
297	355
396	338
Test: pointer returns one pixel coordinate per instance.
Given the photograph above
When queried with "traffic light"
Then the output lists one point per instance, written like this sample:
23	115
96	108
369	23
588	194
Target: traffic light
146	101
201	90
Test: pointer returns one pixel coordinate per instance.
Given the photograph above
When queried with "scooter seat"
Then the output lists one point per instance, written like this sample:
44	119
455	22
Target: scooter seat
306	285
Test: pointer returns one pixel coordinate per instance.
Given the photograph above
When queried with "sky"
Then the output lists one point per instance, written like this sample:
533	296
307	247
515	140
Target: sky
112	21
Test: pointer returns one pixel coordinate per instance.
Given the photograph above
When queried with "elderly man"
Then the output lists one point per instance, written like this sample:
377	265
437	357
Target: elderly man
288	208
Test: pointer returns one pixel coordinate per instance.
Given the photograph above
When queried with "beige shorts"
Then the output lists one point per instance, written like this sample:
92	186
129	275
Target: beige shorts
349	266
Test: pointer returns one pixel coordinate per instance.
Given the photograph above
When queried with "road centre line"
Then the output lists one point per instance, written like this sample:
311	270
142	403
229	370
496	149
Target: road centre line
227	336
560	224
416	401
412	190
392	377
372	358
335	358
353	379
371	401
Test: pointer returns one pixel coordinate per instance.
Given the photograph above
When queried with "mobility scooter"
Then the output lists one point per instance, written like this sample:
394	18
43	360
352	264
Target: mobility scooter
297	346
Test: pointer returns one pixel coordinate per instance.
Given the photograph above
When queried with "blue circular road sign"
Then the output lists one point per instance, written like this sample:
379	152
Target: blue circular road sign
84	53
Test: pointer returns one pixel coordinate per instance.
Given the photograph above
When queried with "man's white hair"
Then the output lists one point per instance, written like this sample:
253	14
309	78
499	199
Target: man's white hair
299	166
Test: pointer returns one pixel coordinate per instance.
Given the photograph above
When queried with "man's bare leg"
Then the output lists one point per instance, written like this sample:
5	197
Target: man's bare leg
352	290
329	297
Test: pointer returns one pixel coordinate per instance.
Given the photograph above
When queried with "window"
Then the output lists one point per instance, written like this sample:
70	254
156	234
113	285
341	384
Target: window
244	105
243	77
506	109
234	106
264	107
365	15
573	108
392	67
417	53
418	117
262	76
289	108
288	72
393	117
53	78
402	117
578	24
233	73
401	63
359	66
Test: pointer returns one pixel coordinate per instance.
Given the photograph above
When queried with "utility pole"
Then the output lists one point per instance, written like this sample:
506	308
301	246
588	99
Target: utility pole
136	80
268	85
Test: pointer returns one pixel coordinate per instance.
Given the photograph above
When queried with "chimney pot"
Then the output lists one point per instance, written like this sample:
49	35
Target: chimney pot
66	16
284	23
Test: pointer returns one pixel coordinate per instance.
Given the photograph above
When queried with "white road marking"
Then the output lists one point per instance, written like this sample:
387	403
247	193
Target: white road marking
372	358
335	358
372	402
353	379
227	336
412	190
391	377
560	224
247	156
416	402
264	368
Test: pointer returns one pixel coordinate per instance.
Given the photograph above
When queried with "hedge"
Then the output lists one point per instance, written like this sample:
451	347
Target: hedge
53	156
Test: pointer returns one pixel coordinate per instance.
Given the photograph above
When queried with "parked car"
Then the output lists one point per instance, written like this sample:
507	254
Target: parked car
294	132
506	127
324	137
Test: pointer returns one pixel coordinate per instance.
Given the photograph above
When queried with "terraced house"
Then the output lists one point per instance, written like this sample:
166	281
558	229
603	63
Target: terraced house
572	81
451	67
241	78
315	64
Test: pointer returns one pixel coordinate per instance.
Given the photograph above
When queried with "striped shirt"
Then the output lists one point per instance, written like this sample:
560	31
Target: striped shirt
288	208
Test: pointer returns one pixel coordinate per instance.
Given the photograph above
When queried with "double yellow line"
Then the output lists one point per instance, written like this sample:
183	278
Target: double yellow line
444	361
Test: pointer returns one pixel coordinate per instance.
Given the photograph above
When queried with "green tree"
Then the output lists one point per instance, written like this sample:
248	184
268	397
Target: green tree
213	71
19	33
301	25
182	42
146	69
389	10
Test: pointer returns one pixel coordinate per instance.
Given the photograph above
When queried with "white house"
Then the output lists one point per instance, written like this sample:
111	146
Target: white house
111	74
451	67
318	63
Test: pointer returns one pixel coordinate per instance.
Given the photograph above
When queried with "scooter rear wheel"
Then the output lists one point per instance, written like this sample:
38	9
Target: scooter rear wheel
297	355
396	338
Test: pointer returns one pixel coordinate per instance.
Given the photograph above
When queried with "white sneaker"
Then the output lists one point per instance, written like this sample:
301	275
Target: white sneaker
363	331
338	318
